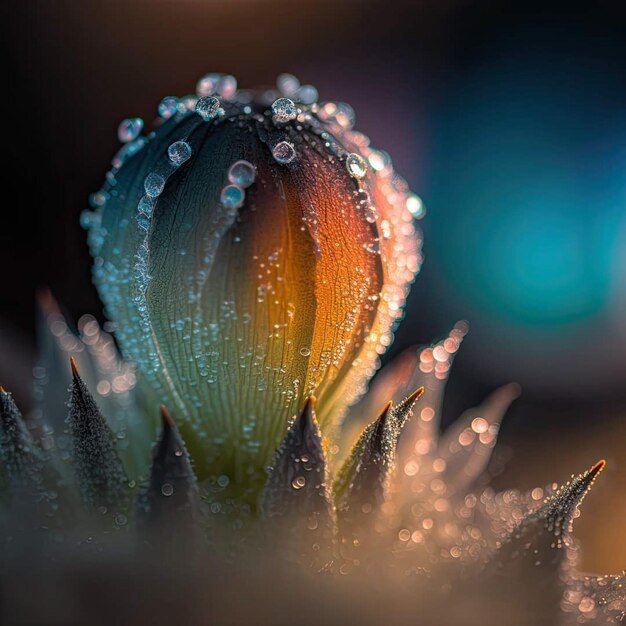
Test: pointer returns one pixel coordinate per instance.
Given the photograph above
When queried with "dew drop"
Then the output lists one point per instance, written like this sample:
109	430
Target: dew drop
167	489
179	152
307	94
242	173
121	519
283	110
227	86
284	152
232	196
356	165
298	482
98	199
305	351
415	205
207	85
208	107
223	481
129	129
586	605
168	107
287	84
154	184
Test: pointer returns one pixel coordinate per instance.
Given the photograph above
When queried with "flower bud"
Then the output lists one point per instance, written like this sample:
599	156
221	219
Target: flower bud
252	250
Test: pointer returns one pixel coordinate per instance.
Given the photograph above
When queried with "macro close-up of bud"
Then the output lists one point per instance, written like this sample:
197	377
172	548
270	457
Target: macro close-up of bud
243	431
252	250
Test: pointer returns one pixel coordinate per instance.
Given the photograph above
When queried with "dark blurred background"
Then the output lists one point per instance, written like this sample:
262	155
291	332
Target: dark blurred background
508	119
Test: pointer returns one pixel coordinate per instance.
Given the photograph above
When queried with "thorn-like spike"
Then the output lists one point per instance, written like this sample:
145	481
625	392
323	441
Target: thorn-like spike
74	366
413	397
296	500
361	485
380	426
3	390
167	508
166	418
100	473
307	417
559	509
20	458
535	552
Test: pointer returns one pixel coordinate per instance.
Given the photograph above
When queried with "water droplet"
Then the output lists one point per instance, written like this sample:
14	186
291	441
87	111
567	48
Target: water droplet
179	152
208	107
154	184
98	199
586	605
242	173
307	94
207	85
168	107
356	165
227	86
284	110
287	84
305	351
378	160
298	482
121	519
129	129
232	196
284	152
415	205
223	480
167	489
187	103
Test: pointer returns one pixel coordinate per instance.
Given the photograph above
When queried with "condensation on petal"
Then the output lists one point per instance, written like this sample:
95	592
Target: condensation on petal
237	311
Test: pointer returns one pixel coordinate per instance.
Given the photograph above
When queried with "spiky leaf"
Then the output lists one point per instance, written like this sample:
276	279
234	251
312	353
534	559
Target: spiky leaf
99	471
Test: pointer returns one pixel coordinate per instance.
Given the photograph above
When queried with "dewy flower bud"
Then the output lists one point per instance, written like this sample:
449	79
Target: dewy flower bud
252	250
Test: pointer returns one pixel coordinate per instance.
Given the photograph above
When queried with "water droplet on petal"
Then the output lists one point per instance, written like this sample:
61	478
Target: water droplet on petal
207	85
167	489
98	199
227	86
179	152
242	173
298	482
287	84
283	111
307	94
232	196
168	107
154	184
284	152
415	205
208	107
129	129
356	165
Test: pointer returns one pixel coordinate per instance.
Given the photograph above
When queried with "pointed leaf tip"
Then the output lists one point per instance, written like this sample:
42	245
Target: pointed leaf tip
167	506
298	474
307	420
597	467
74	366
415	395
19	456
99	470
166	418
